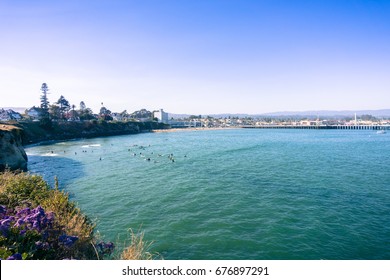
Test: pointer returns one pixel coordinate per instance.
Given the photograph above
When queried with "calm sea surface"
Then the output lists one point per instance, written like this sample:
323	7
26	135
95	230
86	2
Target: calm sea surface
233	194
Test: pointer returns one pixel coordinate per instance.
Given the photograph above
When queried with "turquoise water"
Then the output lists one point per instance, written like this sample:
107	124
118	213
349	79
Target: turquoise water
233	194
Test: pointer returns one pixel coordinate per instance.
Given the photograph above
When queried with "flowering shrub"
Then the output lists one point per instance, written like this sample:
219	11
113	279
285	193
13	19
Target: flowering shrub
33	234
38	222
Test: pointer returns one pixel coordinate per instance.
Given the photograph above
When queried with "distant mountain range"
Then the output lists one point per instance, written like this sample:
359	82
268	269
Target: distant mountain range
325	113
320	113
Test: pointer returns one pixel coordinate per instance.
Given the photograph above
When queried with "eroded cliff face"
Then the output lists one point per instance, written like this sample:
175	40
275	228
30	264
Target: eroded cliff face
12	154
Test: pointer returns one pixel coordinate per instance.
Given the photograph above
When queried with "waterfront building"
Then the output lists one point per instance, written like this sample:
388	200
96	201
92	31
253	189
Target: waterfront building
161	116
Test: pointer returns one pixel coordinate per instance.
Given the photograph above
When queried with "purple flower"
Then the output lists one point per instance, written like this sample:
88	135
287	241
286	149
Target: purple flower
19	223
4	230
67	240
3	210
36	216
7	222
29	219
109	245
16	256
105	248
35	219
36	225
39	210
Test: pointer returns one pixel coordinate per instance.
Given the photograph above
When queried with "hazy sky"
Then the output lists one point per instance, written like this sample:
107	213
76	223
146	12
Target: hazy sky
197	56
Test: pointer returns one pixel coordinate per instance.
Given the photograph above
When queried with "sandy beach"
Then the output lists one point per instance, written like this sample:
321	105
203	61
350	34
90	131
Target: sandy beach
192	129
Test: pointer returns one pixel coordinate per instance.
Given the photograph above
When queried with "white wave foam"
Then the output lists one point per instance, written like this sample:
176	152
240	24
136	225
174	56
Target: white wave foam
90	145
50	155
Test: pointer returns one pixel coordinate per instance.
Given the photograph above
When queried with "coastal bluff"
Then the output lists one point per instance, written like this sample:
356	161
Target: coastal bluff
12	154
33	132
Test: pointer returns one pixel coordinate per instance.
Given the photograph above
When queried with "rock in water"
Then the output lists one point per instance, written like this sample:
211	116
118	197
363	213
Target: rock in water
12	154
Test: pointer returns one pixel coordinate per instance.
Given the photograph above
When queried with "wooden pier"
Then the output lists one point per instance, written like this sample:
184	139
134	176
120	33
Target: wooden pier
345	127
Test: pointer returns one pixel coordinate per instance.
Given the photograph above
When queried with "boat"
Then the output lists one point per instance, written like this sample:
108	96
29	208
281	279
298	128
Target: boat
382	131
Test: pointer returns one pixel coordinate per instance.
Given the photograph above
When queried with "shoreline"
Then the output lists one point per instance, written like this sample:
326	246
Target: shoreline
192	129
166	130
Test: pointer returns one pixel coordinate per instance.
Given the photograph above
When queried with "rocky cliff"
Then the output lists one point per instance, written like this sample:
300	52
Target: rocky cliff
33	132
12	154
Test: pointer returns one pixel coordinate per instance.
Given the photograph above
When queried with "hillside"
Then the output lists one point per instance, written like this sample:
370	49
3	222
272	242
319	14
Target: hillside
384	113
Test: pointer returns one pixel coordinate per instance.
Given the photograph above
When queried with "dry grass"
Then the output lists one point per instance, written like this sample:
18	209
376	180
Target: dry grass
7	127
138	248
67	214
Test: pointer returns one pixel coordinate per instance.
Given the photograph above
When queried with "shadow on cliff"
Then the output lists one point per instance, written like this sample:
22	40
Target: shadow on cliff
49	167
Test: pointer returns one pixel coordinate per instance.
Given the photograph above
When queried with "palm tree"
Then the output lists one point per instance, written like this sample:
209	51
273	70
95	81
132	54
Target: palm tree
73	112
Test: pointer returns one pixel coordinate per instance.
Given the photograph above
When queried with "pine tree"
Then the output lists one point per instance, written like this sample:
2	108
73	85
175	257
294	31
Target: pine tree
45	120
44	101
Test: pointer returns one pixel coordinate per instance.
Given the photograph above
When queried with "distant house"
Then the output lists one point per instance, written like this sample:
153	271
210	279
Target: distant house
33	112
117	117
7	115
15	115
308	123
185	123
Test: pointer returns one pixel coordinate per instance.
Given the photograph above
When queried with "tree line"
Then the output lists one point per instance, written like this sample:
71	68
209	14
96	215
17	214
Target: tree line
63	110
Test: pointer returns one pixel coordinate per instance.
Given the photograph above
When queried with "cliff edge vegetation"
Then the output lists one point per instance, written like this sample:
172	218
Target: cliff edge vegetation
39	222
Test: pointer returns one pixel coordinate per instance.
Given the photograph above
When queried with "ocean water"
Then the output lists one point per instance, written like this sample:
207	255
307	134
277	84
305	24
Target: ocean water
233	194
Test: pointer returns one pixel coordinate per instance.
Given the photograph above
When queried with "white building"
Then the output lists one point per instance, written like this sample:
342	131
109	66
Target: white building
161	116
117	117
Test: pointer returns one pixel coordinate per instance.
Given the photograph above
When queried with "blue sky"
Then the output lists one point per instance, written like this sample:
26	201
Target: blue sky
197	57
